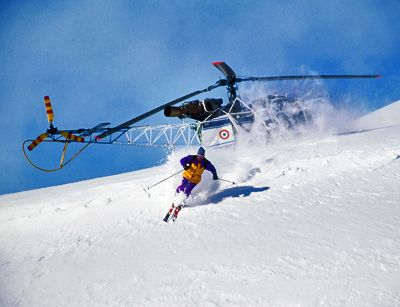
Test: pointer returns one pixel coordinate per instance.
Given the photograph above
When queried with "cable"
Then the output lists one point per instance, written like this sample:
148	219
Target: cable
62	158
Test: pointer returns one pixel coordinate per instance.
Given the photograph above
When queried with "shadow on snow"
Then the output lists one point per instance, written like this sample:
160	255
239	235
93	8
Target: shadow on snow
365	130
243	191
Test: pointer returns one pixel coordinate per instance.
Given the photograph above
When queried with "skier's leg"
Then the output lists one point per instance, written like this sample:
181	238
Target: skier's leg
182	186
189	188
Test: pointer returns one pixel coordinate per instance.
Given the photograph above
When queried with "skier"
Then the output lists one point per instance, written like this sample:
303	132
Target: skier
194	166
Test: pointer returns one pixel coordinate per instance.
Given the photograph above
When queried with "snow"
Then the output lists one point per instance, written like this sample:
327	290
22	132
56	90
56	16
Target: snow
387	116
312	221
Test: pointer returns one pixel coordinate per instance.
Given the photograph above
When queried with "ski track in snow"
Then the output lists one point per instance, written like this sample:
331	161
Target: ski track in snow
312	222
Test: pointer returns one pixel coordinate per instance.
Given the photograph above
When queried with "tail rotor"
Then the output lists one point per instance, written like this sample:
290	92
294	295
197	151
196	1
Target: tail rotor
52	131
55	135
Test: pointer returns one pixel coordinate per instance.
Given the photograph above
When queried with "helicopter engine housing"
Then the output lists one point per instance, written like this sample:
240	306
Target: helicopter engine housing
196	109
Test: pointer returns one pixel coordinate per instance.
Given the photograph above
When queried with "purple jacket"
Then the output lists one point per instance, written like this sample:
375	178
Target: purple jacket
193	159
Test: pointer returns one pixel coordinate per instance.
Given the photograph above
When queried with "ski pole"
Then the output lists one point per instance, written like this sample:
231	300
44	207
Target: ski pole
233	182
163	180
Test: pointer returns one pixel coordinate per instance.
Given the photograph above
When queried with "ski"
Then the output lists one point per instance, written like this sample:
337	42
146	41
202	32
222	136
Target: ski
176	207
174	212
166	218
175	216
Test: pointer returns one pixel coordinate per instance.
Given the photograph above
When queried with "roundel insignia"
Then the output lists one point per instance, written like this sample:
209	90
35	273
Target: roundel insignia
224	134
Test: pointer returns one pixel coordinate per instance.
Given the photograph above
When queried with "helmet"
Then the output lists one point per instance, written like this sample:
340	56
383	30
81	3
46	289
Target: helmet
201	151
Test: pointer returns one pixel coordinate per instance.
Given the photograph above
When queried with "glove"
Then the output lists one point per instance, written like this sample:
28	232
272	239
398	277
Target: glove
186	167
215	177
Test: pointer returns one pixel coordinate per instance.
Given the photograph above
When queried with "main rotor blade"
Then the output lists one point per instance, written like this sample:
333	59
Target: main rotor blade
37	141
279	78
128	123
225	69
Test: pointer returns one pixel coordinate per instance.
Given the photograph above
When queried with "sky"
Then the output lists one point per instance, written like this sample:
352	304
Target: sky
109	61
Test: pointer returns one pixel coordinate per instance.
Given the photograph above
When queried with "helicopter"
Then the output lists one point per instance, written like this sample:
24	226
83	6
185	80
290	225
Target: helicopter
215	123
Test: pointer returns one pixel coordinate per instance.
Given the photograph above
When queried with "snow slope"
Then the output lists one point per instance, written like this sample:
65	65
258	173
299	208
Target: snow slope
313	221
386	116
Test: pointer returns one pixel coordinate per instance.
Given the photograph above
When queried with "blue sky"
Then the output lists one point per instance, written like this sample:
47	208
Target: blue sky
112	60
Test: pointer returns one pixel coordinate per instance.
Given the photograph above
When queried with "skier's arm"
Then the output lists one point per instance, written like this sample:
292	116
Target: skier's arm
211	168
186	161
